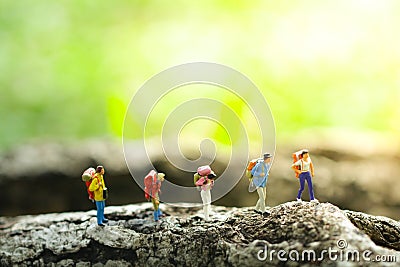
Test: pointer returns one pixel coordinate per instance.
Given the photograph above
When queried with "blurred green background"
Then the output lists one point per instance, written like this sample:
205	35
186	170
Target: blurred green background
69	68
330	71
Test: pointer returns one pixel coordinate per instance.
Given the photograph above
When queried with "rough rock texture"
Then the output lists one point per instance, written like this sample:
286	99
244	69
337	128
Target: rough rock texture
383	231
234	237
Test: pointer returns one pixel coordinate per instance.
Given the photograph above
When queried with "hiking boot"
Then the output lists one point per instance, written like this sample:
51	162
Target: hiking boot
299	200
258	212
314	201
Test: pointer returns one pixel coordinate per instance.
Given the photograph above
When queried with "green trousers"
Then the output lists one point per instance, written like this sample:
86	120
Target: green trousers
155	201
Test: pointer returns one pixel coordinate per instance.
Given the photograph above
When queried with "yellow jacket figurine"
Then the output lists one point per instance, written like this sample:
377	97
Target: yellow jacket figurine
99	189
97	186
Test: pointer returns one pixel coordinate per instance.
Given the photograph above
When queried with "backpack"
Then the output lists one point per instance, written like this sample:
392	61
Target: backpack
296	157
252	163
87	177
150	184
196	177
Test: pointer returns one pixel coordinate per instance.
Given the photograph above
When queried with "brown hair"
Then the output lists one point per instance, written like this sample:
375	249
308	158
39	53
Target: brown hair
99	168
304	152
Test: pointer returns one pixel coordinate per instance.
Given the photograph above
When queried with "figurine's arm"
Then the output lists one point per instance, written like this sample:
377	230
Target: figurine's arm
103	184
94	185
159	187
268	169
312	169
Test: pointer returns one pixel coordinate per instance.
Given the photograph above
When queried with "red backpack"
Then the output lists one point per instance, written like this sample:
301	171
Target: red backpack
151	186
252	163
87	177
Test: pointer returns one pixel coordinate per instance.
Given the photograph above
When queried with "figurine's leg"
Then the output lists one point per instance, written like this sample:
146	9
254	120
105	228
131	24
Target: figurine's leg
265	195
261	199
99	212
155	214
102	210
258	204
155	208
205	200
104	206
209	202
155	203
310	186
206	215
301	180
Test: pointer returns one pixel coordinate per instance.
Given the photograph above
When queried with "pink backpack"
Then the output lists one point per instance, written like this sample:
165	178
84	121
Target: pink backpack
151	187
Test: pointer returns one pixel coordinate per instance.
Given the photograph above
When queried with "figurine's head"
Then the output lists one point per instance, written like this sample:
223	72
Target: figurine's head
267	157
160	176
100	169
304	154
211	175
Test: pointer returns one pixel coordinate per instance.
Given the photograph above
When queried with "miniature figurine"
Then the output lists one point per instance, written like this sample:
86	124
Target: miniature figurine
204	180
152	183
259	178
98	187
304	169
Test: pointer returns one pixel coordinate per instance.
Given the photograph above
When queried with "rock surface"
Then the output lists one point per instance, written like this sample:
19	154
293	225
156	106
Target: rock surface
234	237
